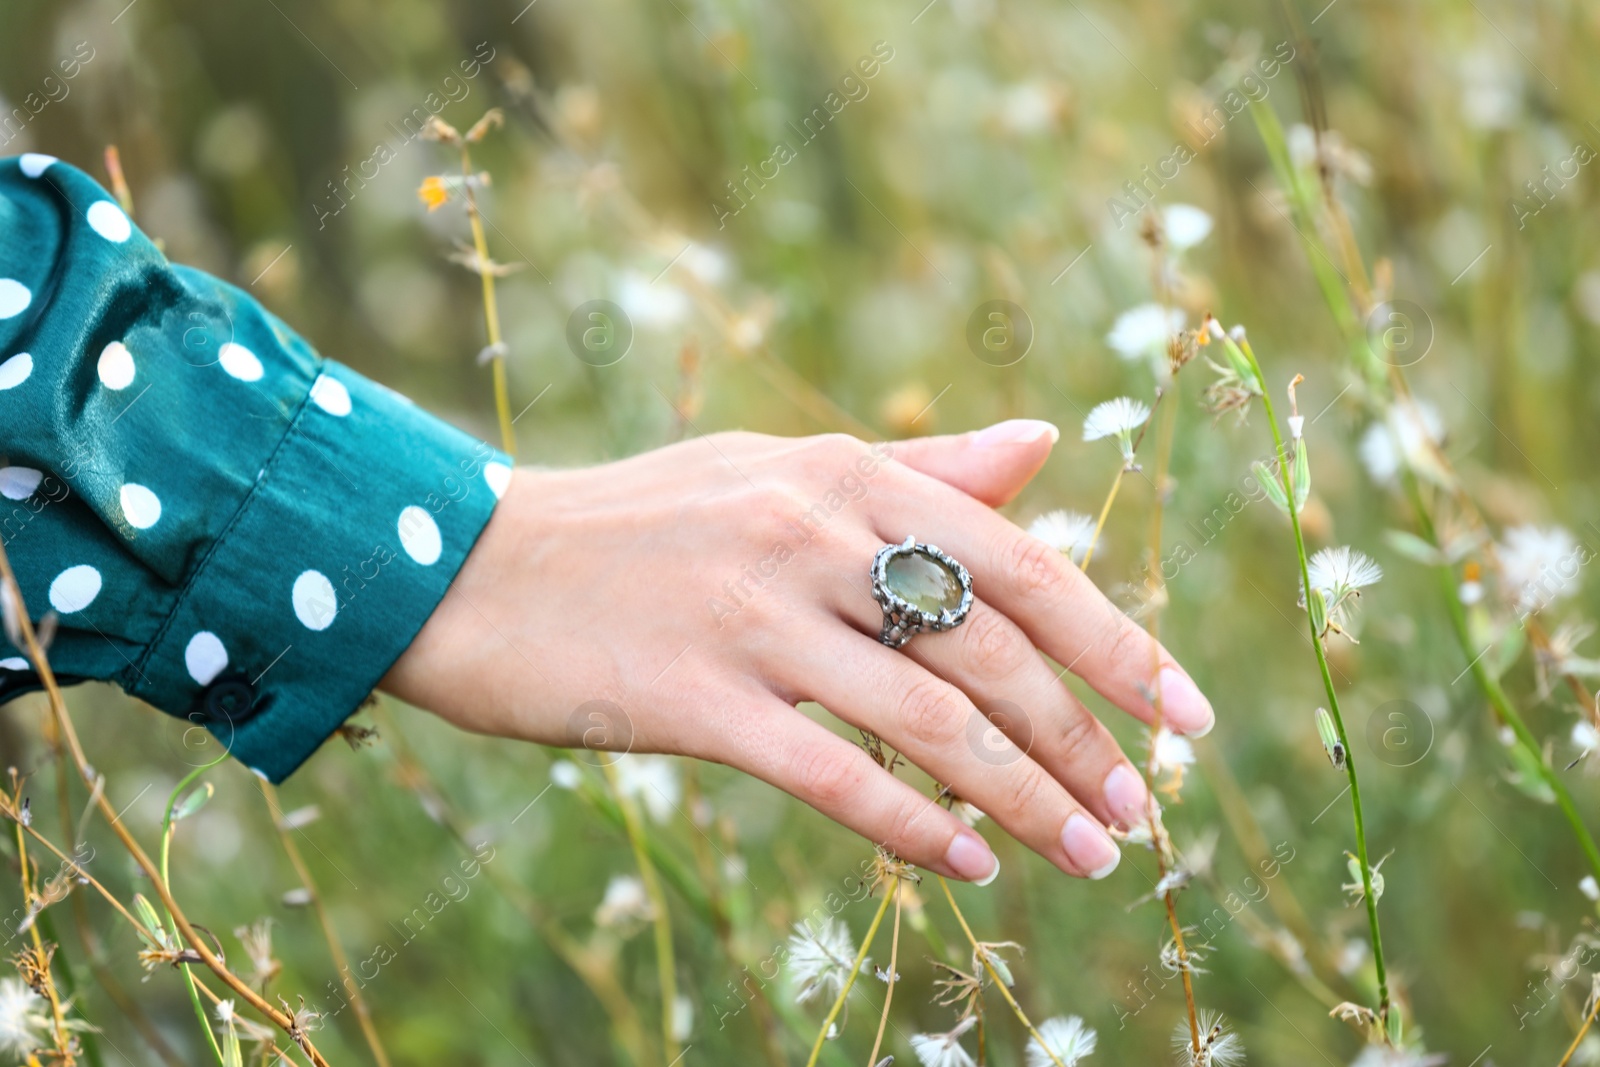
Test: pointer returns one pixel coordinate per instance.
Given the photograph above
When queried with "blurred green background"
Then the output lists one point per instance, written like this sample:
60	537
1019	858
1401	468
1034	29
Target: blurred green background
979	162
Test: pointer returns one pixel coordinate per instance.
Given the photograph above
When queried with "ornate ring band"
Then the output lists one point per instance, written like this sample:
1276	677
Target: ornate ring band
920	589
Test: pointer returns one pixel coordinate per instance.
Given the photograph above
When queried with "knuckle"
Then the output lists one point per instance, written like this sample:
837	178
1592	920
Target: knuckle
929	714
993	646
826	780
1035	567
901	836
1027	788
839	447
1080	733
1127	644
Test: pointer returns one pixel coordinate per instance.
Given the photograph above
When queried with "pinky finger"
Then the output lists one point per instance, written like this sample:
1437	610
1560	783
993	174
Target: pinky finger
813	764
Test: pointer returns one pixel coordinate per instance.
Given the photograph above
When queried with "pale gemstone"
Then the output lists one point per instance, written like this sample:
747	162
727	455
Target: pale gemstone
924	583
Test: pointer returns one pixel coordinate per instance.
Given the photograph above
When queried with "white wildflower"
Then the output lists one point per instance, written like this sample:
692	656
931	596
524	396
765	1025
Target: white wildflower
1589	887
967	813
651	304
1338	575
1585	737
1066	1038
1032	107
1352	957
944	1050
709	265
682	1018
1539	565
1142	332
1219	1047
1185	224
1170	753
652	781
1116	418
1407	437
626	905
1386	1056
821	958
23	1022
1068	532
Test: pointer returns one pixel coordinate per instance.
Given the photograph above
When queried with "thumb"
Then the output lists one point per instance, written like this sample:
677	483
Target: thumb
991	465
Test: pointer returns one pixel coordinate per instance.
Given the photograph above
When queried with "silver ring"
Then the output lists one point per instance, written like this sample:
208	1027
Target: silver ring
920	589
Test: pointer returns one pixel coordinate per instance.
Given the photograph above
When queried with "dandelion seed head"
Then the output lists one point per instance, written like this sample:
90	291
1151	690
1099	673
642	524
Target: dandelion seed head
1385	1056
22	1020
653	782
820	958
1143	331
1341	570
942	1050
1404	438
625	906
1185	225
1540	565
1068	532
1219	1047
1169	752
1067	1037
1115	418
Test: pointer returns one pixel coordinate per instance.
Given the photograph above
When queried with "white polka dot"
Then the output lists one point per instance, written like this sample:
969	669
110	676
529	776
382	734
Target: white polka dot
18	483
330	395
14	297
240	362
14	663
314	602
75	589
109	221
140	506
116	366
419	536
498	475
35	163
205	657
15	371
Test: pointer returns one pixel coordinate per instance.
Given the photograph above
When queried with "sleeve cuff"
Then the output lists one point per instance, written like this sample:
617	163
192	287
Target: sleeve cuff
354	530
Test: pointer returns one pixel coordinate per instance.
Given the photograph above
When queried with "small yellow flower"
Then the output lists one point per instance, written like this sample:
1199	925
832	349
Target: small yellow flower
433	192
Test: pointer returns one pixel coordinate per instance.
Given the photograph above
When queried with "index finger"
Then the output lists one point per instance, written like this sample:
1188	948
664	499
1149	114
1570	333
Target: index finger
1063	613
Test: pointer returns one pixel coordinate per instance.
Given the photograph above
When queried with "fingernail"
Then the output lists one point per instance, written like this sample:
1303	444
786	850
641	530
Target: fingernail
1016	432
969	857
1183	705
1126	795
1089	847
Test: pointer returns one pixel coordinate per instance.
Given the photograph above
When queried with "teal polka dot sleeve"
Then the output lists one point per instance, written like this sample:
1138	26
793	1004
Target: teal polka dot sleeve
228	526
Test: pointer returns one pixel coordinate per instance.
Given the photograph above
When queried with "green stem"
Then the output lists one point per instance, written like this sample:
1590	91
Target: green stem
1491	686
1333	697
166	849
666	967
849	982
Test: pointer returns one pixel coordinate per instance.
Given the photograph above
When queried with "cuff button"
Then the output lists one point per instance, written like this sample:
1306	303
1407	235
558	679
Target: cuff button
231	700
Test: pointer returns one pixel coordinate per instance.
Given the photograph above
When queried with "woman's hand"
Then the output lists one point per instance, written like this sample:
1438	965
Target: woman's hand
685	600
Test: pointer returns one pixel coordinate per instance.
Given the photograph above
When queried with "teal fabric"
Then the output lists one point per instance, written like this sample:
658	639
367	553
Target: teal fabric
229	526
